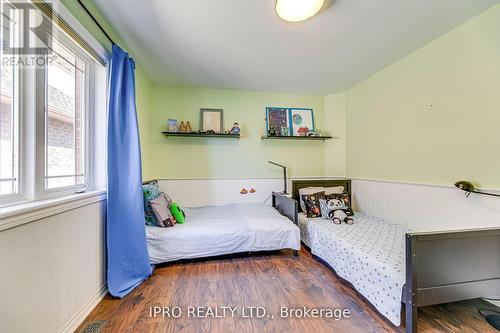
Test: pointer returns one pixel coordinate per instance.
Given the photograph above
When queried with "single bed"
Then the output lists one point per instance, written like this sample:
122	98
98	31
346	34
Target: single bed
389	265
370	254
219	230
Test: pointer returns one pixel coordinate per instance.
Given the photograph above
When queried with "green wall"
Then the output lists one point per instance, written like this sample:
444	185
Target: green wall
414	121
335	123
434	116
223	158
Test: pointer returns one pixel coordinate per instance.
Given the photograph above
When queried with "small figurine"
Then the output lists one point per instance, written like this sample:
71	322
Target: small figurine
303	131
236	129
284	131
188	127
182	127
272	131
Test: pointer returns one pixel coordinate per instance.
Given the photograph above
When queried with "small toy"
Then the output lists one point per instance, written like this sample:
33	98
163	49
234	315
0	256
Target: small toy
272	131
182	128
339	212
284	131
188	127
243	191
177	212
252	190
303	131
236	129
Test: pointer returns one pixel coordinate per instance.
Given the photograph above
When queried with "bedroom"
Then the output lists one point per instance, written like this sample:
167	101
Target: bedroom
401	104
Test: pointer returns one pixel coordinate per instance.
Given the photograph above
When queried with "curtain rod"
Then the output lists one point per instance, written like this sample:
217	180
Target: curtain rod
96	22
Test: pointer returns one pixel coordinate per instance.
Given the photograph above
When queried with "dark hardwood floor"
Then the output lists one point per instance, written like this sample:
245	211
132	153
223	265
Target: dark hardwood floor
271	281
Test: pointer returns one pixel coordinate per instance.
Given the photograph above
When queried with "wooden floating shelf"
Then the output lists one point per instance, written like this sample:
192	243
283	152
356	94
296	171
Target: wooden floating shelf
317	138
202	135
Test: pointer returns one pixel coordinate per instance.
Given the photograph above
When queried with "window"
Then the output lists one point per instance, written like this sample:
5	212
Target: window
52	117
65	119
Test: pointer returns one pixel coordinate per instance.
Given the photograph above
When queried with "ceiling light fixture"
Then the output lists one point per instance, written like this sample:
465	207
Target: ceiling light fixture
298	10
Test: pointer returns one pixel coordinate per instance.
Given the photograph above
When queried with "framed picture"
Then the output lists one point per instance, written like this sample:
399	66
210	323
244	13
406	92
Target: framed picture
302	121
277	118
211	120
172	125
289	121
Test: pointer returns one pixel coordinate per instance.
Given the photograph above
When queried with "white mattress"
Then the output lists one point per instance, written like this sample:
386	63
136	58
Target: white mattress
217	230
370	254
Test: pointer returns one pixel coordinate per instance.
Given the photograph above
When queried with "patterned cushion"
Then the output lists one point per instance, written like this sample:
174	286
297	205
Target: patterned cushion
306	191
311	201
151	191
323	203
161	210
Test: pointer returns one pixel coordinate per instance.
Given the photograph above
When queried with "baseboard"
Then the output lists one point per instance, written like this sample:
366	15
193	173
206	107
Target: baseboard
78	318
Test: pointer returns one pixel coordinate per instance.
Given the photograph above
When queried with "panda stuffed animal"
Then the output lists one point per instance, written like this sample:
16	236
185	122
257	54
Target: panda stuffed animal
339	212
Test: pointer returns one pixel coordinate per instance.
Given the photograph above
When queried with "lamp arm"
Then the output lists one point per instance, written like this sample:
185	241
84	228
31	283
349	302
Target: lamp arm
485	193
285	189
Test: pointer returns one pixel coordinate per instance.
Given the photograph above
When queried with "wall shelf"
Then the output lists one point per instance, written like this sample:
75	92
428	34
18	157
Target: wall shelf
298	138
202	135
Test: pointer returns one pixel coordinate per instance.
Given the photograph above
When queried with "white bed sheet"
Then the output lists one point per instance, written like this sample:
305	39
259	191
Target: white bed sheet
218	230
304	222
370	254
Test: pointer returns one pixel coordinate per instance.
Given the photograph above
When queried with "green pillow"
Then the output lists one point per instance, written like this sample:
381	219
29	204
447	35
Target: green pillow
177	212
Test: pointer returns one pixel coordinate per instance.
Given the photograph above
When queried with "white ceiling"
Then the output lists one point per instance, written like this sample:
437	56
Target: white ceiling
242	44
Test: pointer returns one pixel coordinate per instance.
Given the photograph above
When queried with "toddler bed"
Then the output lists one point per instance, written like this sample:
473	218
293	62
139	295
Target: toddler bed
390	265
370	254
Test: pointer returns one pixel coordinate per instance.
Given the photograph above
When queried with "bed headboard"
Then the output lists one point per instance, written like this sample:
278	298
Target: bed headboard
298	184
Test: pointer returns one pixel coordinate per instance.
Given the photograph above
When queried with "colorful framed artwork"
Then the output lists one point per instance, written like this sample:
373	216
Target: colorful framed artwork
289	121
302	121
172	125
277	118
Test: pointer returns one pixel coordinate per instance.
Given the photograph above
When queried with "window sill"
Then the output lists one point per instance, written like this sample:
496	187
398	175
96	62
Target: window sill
23	213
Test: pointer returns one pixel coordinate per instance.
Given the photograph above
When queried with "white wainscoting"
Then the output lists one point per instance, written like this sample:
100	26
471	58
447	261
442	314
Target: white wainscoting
425	207
203	192
223	191
53	271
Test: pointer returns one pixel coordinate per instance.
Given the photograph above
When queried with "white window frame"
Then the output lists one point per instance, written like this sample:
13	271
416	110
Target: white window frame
31	84
41	112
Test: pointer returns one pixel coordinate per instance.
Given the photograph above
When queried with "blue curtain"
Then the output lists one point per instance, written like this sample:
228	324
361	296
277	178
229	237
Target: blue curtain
128	258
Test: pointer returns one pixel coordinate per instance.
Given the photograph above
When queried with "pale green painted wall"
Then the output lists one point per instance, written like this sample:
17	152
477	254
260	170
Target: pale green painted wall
335	123
433	117
222	158
385	126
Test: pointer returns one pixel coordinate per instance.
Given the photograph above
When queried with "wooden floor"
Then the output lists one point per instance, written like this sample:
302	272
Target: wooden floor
271	281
